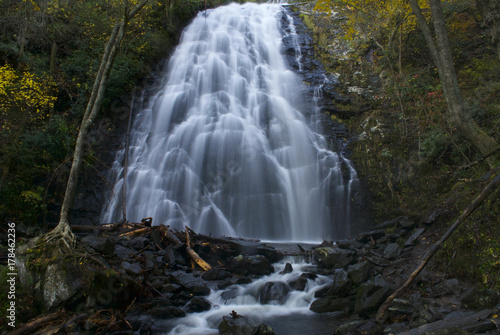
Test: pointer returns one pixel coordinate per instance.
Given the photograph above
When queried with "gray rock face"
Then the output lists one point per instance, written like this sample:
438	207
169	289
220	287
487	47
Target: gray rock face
298	284
341	284
131	268
370	296
413	238
101	244
330	304
216	274
392	251
334	258
274	292
189	282
61	284
359	272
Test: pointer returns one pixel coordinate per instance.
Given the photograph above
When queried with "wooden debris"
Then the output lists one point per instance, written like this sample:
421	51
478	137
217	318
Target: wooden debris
194	256
33	325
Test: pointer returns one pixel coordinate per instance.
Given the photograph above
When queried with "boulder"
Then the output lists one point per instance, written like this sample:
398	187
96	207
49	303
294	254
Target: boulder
242	325
370	296
61	285
250	265
392	251
197	305
346	328
330	304
341	284
288	268
101	244
131	268
359	272
413	238
123	252
216	274
298	284
190	282
333	258
274	292
139	242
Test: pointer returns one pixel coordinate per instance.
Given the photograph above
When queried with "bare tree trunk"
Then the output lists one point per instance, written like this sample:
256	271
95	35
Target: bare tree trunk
63	229
441	53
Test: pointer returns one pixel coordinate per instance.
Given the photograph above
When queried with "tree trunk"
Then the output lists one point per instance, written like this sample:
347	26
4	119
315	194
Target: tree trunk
91	111
441	53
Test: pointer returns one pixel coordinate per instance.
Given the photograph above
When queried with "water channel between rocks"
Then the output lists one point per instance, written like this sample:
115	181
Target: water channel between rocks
280	300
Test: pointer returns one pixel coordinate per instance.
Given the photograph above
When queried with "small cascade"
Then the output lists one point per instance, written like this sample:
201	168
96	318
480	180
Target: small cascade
225	146
270	300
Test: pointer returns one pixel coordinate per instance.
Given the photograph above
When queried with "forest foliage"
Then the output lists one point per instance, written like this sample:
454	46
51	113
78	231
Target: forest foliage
414	159
50	52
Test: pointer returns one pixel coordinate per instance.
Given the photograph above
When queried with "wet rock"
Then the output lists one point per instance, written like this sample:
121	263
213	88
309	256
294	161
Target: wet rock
139	242
449	331
400	307
349	244
101	244
395	328
242	326
413	238
131	268
123	252
274	292
166	312
359	272
333	258
346	328
449	286
309	275
370	296
62	283
392	251
330	304
298	284
189	282
367	236
481	299
216	274
250	265
341	284
197	305
288	268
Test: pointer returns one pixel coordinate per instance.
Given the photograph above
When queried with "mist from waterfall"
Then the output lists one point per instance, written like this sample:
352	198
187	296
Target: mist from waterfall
225	147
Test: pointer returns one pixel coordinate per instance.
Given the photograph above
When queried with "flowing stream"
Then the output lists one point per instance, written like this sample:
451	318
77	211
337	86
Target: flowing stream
288	314
227	147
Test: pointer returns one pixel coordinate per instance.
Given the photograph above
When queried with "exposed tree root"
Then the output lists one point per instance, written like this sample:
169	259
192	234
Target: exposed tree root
61	234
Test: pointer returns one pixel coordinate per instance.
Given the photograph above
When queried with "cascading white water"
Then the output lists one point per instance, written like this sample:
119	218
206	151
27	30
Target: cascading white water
223	147
246	300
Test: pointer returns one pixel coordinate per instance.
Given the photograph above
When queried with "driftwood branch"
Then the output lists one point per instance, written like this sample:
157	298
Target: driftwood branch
194	256
381	314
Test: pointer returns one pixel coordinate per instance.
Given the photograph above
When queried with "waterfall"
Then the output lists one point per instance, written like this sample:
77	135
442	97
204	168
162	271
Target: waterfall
225	147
